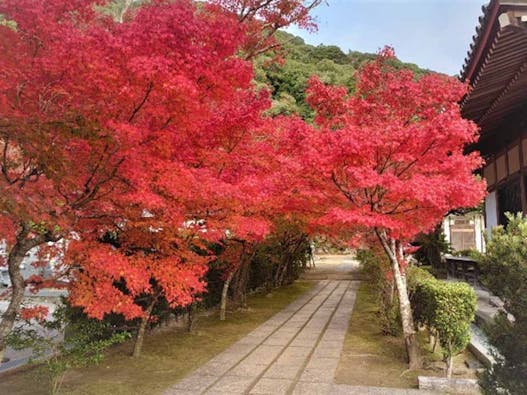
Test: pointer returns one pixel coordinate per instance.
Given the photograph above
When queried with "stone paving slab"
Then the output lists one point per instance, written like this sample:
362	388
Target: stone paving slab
279	371
303	388
230	385
267	386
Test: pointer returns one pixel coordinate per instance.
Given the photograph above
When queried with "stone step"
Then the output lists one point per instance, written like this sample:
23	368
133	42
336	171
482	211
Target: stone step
480	347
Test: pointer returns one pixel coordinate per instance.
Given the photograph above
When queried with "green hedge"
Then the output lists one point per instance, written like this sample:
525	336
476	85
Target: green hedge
445	308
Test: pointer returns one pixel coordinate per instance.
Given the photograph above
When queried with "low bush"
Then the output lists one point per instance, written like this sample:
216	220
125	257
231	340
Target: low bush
445	308
64	342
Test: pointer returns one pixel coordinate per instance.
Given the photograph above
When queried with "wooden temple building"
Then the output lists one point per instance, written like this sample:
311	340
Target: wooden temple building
496	69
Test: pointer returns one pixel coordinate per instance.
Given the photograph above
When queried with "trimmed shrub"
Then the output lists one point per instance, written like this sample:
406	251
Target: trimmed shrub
446	309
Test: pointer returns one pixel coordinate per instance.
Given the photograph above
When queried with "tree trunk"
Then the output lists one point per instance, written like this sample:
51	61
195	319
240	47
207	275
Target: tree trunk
139	340
449	363
16	256
56	382
243	285
284	271
122	12
276	277
391	294
410	338
450	366
239	283
14	260
225	295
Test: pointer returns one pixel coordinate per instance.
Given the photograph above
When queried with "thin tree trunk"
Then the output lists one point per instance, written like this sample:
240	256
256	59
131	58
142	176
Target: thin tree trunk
240	290
16	256
190	317
410	338
284	271
449	363
139	340
277	274
289	262
14	260
450	366
56	382
224	295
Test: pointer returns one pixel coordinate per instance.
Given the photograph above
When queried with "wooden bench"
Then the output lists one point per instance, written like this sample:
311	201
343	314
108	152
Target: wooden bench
462	268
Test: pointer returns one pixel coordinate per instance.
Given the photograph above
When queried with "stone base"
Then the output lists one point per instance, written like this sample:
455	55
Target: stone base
445	385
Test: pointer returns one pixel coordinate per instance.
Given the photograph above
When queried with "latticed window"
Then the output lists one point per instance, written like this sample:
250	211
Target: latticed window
462	233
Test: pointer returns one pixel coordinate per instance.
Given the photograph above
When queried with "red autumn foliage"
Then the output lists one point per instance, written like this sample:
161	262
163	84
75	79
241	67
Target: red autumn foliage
391	155
151	131
38	313
262	18
101	122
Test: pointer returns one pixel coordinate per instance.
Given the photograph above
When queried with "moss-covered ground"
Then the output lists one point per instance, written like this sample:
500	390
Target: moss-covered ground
168	355
371	358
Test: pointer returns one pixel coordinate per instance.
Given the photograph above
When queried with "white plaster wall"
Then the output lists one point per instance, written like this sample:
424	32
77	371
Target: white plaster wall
446	228
479	226
491	214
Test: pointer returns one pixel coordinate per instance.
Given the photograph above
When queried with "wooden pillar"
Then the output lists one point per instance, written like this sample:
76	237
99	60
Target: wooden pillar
522	179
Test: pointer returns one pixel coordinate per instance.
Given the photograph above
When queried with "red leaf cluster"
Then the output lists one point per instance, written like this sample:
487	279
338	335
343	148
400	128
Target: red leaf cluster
389	156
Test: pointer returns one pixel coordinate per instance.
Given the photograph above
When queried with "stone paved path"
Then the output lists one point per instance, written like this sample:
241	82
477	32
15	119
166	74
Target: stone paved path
297	351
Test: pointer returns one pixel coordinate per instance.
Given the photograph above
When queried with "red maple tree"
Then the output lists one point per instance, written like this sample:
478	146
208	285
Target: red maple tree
57	164
388	158
150	131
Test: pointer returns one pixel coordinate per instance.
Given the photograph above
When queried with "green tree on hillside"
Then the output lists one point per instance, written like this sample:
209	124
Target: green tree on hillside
288	81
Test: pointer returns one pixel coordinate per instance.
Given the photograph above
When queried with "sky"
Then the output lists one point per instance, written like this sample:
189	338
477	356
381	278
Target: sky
434	34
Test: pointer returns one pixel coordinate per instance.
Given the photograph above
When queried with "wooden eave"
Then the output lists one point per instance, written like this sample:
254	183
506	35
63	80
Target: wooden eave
496	68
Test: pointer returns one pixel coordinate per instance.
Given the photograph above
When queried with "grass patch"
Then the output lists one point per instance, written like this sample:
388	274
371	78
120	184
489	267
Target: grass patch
371	358
167	356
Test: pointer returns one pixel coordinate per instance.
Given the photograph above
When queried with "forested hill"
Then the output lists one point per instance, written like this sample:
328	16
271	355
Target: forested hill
329	62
